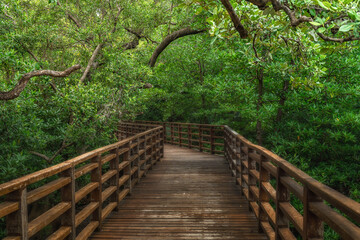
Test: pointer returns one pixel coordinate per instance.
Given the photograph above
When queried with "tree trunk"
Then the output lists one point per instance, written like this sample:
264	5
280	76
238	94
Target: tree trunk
260	78
282	100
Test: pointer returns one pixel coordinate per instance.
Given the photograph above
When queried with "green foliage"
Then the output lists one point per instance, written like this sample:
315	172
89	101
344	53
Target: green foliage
308	109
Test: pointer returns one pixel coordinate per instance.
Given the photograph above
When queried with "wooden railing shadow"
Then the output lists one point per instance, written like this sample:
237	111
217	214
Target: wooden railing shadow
103	176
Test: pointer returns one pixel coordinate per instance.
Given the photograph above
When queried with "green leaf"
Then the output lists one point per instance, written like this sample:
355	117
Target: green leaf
315	23
345	28
321	30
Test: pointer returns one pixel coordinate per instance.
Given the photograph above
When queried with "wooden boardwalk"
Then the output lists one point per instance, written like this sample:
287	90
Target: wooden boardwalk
188	195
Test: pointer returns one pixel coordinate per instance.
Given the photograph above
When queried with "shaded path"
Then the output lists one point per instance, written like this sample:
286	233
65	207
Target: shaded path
188	195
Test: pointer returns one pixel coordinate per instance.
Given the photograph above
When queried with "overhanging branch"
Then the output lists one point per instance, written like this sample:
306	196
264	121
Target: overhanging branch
20	86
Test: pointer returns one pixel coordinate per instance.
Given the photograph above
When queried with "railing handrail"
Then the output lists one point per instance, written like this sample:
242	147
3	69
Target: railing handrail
113	170
344	203
26	180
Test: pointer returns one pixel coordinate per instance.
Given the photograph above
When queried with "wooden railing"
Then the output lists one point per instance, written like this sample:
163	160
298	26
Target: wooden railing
269	183
203	137
86	189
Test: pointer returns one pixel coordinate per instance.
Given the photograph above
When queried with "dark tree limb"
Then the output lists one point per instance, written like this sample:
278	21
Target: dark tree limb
90	63
71	17
49	160
235	19
169	39
98	49
20	86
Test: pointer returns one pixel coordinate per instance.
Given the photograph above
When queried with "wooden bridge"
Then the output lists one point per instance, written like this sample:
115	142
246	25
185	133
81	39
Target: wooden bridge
211	183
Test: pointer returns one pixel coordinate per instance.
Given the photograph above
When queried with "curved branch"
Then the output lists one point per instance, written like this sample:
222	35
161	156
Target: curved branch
169	39
91	61
235	19
20	86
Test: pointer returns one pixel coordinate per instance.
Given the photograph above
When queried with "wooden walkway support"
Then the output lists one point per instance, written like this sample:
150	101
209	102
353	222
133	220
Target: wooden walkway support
188	195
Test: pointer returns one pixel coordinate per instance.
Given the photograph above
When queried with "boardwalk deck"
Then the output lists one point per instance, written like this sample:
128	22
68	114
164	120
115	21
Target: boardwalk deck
188	195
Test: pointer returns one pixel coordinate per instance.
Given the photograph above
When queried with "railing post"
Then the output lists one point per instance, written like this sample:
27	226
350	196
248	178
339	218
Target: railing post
114	181
172	133
200	139
238	162
189	135
251	178
164	132
68	195
263	196
96	195
313	226
127	170
180	134
282	195
212	140
161	143
137	160
17	222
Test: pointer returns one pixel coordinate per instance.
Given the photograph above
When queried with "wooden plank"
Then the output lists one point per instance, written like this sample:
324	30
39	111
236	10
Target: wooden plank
85	191
85	212
108	209
85	169
336	221
123	194
8	207
87	231
123	180
60	234
46	189
109	174
293	215
46	218
174	201
123	165
107	192
107	158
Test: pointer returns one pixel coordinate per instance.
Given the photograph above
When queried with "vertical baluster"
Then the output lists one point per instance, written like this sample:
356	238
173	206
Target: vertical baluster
96	195
238	166
212	140
180	134
313	226
172	133
162	142
189	135
282	195
200	139
263	196
114	181
164	132
137	160
127	170
244	170
17	222
68	195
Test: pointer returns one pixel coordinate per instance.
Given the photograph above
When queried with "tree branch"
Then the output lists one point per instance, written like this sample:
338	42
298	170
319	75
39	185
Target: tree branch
169	39
235	19
98	48
91	61
50	160
20	86
71	17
